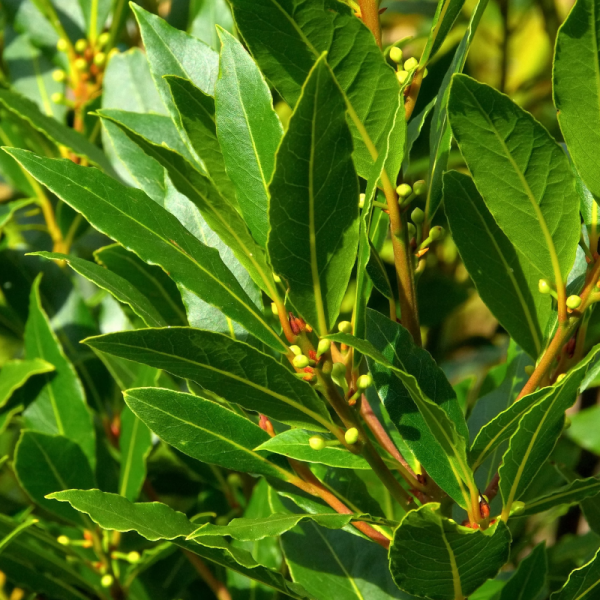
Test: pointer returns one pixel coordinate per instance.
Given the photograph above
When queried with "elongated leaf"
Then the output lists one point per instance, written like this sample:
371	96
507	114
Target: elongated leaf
538	431
150	280
313	211
434	557
6	540
8	210
582	583
576	88
51	463
446	13
137	222
197	113
203	430
294	443
205	15
15	374
220	216
120	288
530	577
249	132
501	143
135	443
504	278
60	406
231	369
309	29
573	493
55	131
157	521
257	529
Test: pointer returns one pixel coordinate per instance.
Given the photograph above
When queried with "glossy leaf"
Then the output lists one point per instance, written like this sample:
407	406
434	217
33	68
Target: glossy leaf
15	373
505	148
204	15
50	463
135	443
446	13
582	583
573	493
313	211
434	557
504	278
249	132
538	431
60	406
576	88
120	288
309	29
530	578
137	222
231	369
294	444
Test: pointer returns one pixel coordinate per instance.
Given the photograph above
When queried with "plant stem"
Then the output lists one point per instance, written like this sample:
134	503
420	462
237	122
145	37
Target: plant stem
369	13
218	587
413	93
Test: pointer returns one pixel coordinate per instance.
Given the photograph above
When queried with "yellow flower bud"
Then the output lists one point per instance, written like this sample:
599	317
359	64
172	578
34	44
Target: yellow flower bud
81	45
351	436
573	302
410	64
57	98
396	54
402	76
404	190
62	45
99	59
81	64
316	442
364	381
59	75
345	327
106	581
301	361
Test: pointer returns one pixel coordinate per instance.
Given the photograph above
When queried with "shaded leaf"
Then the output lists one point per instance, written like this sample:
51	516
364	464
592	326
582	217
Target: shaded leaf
135	443
530	578
15	374
582	583
573	493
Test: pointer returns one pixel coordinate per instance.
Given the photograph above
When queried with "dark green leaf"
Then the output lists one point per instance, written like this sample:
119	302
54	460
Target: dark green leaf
582	583
573	493
313	211
506	149
434	557
135	443
231	369
51	463
15	373
137	222
530	577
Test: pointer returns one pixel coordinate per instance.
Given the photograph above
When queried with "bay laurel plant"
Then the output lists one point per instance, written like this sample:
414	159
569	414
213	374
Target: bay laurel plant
216	378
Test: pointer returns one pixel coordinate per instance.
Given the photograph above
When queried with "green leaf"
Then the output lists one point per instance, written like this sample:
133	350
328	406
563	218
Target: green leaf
51	463
136	221
446	13
150	280
582	583
313	210
8	210
204	15
6	540
157	521
60	406
204	430
294	444
434	557
309	29
573	493
231	369
576	88
135	443
249	132
95	13
53	130
197	114
538	431
257	529
114	284
15	374
584	429
506	149
219	215
504	278
530	578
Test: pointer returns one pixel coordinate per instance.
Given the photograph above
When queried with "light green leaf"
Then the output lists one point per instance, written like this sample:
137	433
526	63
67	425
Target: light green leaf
446	13
205	15
434	557
506	149
51	463
582	583
15	373
573	493
60	406
135	443
231	369
530	578
294	444
576	88
313	210
249	132
137	222
8	210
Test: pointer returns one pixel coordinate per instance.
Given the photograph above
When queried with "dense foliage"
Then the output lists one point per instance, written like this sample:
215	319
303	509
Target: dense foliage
293	306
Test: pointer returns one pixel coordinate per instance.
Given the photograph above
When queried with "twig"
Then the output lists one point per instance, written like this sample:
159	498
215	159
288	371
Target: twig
218	587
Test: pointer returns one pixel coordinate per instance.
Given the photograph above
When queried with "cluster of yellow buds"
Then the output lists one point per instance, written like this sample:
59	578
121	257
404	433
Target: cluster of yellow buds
410	65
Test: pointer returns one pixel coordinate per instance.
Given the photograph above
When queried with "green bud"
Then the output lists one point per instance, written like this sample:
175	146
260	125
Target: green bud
234	480
301	361
436	232
62	45
412	231
364	381
276	278
316	442
517	507
351	436
103	39
402	76
57	97
560	377
396	54
529	369
420	187
296	350
63	540
338	374
81	45
99	59
417	216
59	75
361	201
106	581
345	327
410	64
544	287
133	556
323	347
274	309
404	190
573	302
80	64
